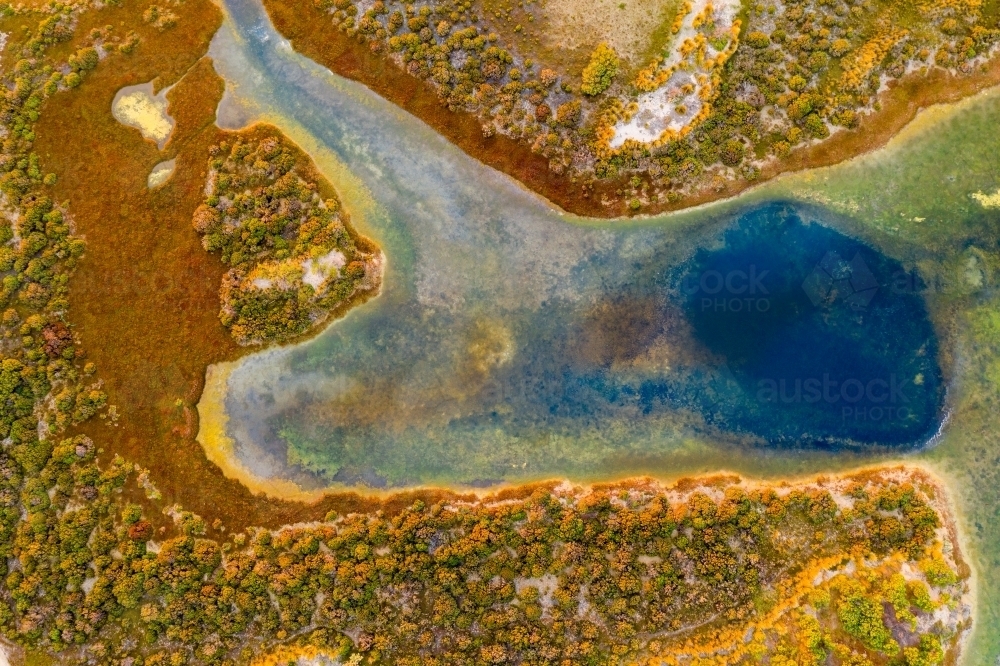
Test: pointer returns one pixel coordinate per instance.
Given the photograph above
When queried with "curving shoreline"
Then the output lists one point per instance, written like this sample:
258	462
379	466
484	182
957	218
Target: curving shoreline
345	56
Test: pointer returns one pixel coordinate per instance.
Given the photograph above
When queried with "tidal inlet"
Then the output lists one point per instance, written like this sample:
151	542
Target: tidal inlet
512	342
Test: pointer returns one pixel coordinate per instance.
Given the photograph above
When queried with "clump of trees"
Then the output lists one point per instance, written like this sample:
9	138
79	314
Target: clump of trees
39	353
159	17
272	227
600	71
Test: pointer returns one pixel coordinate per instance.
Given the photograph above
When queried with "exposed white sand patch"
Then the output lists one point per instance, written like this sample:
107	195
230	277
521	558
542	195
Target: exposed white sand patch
546	586
319	270
308	656
704	41
161	173
263	283
137	106
11	214
667	108
292	273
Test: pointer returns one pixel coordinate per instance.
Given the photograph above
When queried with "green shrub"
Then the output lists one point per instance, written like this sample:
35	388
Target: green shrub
732	152
757	40
600	71
861	617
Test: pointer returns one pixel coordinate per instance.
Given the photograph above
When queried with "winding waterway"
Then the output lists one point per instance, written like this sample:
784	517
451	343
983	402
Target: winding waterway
514	342
511	342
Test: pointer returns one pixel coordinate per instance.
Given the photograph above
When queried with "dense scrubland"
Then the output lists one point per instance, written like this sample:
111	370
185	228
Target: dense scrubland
854	571
294	257
792	74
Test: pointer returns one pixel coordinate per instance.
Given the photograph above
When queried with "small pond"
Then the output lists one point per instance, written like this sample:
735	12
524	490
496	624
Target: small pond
137	106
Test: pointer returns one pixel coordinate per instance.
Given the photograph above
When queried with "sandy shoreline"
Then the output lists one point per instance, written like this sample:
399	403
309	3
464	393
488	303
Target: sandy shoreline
946	503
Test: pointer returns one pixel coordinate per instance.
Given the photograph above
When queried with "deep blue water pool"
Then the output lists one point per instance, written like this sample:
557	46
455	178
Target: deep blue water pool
825	339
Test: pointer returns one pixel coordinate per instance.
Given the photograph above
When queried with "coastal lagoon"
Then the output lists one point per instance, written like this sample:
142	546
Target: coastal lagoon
628	351
512	342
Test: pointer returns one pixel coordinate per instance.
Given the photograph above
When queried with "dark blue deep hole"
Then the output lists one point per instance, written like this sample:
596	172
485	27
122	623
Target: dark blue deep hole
818	339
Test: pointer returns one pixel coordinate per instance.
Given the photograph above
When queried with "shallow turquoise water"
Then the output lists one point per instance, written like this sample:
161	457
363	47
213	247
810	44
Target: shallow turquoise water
508	335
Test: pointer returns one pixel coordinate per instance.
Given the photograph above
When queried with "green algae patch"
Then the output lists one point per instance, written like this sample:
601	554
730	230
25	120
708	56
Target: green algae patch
219	447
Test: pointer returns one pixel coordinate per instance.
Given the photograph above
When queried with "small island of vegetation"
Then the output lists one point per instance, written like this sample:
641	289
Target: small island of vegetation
294	257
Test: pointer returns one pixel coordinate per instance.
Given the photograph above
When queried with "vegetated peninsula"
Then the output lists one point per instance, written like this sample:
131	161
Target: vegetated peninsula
640	107
294	257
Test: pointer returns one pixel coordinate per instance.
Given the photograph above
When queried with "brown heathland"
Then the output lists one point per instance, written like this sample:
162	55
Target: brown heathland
145	297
